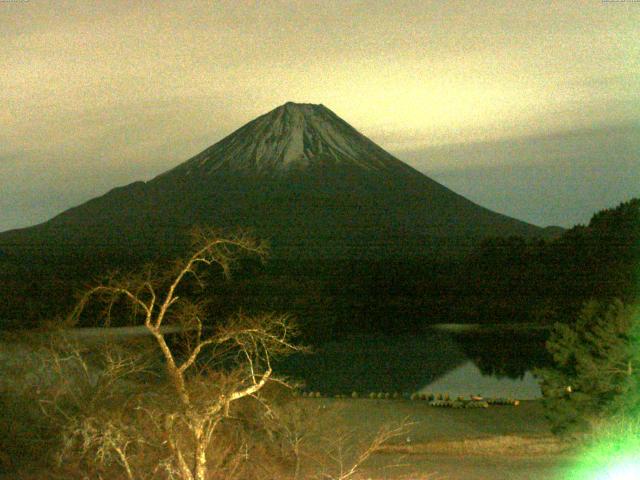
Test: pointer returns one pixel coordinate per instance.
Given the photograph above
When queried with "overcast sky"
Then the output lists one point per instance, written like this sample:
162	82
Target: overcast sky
97	94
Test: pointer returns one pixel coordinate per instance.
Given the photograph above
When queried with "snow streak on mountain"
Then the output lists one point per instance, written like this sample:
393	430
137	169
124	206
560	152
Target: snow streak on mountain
291	137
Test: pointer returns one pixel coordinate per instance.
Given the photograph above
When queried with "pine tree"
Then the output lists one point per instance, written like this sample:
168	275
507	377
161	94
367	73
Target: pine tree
596	372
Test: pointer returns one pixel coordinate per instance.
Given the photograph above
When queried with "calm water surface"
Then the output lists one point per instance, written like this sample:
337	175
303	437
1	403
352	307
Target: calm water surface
494	363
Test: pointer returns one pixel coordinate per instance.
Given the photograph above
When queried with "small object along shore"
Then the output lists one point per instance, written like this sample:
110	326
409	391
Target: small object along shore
433	400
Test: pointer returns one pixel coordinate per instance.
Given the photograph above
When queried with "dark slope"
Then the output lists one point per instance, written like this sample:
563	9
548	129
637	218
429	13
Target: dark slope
298	175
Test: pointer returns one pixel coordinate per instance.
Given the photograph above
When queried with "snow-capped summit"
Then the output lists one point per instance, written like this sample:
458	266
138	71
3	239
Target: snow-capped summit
290	138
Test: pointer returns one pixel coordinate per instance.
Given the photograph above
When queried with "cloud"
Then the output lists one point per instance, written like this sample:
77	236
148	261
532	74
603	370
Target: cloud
559	179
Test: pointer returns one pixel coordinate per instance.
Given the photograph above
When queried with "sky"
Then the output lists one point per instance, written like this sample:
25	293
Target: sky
529	108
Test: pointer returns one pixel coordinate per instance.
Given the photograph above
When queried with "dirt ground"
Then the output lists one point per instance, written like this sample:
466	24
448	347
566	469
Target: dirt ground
497	443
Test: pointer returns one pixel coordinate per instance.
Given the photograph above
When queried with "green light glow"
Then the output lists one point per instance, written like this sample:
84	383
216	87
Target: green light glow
625	471
614	469
614	456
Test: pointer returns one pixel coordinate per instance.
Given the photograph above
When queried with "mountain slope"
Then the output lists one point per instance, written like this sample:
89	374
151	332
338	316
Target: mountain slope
298	175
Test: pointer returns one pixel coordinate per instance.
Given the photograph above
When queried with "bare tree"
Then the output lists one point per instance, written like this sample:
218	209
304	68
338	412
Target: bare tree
343	454
210	369
199	410
322	446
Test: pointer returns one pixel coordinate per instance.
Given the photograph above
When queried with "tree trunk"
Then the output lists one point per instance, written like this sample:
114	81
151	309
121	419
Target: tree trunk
201	454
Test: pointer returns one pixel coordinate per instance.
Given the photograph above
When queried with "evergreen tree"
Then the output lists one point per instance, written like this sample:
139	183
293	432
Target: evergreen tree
596	372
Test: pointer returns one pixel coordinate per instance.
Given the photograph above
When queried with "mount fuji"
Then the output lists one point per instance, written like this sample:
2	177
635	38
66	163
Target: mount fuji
299	176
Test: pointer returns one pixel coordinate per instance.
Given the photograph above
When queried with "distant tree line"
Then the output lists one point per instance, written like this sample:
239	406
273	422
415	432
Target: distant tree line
503	281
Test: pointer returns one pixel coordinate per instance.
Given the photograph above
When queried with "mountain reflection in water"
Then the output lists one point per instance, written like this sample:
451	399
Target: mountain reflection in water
490	362
467	379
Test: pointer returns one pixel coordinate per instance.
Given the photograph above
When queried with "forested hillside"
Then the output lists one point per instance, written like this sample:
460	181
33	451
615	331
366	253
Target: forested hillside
504	280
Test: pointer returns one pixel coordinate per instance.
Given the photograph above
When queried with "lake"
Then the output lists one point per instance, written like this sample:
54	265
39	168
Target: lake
491	362
453	359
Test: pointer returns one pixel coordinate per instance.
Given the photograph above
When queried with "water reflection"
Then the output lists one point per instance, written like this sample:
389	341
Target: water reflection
504	352
467	379
490	362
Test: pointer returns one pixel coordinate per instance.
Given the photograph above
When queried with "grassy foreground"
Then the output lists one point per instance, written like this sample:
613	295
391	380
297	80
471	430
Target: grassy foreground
501	442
